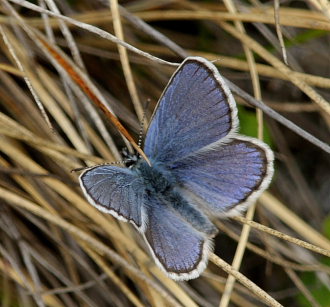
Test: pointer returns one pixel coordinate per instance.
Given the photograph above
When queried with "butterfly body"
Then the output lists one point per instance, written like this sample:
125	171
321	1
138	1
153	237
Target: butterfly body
200	167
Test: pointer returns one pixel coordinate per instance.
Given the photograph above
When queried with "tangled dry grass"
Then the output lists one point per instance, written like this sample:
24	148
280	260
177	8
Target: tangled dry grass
59	59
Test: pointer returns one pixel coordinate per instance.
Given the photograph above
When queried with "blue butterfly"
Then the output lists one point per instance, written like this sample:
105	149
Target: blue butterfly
200	167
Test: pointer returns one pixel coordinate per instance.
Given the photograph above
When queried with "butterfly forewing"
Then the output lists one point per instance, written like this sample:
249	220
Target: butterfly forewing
195	110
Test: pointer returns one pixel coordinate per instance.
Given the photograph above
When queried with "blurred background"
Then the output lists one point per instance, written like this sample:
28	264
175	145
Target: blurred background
56	249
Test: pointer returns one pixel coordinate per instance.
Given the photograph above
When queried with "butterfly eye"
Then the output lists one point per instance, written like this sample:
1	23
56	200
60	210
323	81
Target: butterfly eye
130	159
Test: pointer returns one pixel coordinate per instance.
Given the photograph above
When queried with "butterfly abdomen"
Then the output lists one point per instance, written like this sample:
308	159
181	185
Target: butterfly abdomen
191	214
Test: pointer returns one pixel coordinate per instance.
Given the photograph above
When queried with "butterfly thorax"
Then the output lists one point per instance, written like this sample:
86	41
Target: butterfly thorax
157	178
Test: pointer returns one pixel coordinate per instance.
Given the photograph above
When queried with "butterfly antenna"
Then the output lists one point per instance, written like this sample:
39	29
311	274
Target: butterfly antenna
141	129
109	163
143	123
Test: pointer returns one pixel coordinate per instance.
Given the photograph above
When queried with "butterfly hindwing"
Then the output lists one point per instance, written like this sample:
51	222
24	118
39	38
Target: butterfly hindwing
227	177
179	250
117	191
195	110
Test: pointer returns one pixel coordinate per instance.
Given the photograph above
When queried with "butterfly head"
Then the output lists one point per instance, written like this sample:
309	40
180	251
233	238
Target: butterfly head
130	158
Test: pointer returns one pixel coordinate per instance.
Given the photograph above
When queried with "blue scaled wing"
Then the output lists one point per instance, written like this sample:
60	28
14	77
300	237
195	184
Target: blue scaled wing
178	249
226	178
117	191
195	110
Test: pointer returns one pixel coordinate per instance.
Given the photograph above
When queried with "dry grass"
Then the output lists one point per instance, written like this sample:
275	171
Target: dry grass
56	249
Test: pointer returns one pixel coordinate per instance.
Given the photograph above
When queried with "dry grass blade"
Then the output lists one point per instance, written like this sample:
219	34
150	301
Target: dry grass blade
21	68
238	64
314	248
92	29
241	246
281	67
287	216
278	30
58	250
264	17
256	290
125	62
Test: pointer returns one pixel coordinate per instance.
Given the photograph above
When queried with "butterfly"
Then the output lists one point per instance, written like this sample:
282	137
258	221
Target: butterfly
200	168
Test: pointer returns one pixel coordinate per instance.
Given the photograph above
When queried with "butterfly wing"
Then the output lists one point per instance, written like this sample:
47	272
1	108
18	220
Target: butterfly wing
178	249
226	178
195	110
117	191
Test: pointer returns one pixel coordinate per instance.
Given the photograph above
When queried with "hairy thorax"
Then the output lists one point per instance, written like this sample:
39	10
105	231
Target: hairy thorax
157	178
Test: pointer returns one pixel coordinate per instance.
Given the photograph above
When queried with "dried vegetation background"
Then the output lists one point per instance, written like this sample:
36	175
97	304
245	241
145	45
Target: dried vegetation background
56	250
